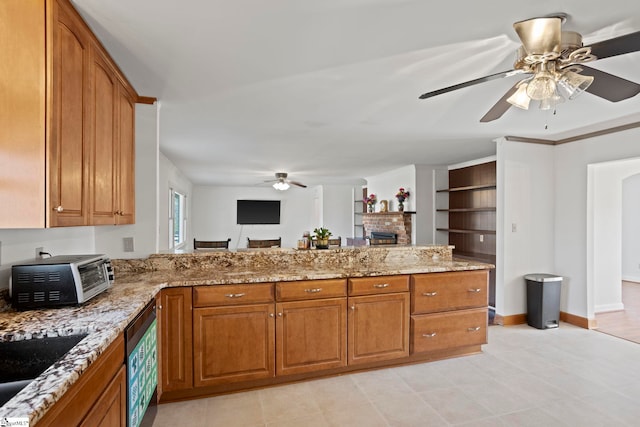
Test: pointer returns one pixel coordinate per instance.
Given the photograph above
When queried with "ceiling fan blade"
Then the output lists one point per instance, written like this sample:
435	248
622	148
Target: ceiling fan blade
469	83
608	86
540	35
500	107
617	46
297	183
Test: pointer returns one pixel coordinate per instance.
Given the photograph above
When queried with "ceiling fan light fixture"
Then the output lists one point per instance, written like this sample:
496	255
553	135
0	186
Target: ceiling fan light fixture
542	86
572	84
551	102
281	186
520	98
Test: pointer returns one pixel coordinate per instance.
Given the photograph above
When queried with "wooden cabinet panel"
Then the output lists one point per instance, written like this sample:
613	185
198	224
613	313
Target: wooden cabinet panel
126	185
233	344
68	158
103	128
378	328
208	296
379	284
111	409
311	289
442	331
79	400
435	292
311	335
176	340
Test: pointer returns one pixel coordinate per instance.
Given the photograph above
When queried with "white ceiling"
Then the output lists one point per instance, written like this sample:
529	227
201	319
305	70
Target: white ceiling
328	90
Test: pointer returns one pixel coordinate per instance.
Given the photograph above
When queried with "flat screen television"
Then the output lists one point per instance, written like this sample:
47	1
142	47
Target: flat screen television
258	212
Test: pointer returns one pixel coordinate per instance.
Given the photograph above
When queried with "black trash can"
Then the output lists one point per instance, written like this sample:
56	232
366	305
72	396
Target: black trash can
543	300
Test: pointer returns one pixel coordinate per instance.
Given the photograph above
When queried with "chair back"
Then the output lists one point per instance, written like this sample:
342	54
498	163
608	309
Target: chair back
335	242
211	244
264	243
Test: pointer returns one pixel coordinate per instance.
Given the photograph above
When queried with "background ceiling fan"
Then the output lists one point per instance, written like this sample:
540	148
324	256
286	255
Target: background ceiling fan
282	183
553	61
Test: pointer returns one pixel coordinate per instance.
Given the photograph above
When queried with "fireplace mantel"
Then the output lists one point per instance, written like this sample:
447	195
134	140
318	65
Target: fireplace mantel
390	222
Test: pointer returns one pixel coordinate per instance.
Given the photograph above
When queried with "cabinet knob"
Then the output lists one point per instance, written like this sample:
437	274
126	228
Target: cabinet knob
476	329
429	294
431	335
279	314
476	290
272	315
381	285
58	209
353	307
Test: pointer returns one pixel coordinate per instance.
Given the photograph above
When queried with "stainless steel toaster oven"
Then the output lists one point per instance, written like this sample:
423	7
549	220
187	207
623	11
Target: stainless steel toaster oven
59	280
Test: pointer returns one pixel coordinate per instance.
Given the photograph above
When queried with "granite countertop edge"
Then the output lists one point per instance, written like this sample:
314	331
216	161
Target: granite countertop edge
106	316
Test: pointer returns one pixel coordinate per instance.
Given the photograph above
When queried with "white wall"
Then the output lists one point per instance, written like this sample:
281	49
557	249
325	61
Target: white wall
213	214
109	238
604	231
631	228
525	198
571	244
337	210
424	223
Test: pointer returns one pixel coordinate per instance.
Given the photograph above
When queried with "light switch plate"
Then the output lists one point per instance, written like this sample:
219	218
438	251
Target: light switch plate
128	244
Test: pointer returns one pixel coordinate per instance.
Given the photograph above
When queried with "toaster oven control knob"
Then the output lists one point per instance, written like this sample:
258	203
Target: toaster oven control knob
58	209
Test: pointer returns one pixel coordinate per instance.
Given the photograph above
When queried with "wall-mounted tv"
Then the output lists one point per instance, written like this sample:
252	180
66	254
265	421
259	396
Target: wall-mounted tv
258	212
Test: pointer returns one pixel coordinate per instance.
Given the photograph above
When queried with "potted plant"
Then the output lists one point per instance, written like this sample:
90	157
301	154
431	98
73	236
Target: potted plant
321	236
402	195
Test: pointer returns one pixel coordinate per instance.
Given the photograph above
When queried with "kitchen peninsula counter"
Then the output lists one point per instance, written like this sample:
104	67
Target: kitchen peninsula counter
105	317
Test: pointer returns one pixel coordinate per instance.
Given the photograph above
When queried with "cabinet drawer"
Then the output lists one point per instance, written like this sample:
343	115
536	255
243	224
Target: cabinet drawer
207	296
378	285
443	331
311	289
434	292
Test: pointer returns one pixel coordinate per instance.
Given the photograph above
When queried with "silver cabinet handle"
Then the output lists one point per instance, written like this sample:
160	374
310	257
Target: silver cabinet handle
58	209
279	314
431	335
235	295
381	285
429	294
476	329
353	307
271	315
476	290
313	290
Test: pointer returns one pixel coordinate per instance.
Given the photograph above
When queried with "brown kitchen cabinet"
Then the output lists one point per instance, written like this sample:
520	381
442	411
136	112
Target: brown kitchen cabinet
176	339
233	333
379	321
112	155
311	326
63	114
98	398
449	310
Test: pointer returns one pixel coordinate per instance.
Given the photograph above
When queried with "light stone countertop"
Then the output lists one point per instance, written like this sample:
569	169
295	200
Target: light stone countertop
106	316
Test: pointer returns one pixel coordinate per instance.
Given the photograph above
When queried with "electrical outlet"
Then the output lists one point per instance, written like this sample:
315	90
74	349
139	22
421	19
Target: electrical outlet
38	254
128	244
481	238
514	227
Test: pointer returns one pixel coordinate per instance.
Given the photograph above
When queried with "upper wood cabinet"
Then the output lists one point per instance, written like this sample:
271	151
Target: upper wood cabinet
66	121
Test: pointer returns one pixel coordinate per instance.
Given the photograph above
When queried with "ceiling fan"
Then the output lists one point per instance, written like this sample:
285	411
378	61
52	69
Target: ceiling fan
553	61
282	183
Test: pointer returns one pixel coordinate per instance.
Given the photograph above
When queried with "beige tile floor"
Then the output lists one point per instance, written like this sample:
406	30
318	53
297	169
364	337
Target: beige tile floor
525	377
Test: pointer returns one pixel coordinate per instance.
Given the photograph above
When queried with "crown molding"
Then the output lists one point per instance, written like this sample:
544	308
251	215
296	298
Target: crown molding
573	138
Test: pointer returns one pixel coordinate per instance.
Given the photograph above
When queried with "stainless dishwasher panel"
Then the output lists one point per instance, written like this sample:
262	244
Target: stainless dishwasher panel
142	368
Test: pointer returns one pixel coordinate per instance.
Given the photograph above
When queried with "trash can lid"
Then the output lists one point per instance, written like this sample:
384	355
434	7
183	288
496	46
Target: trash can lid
543	277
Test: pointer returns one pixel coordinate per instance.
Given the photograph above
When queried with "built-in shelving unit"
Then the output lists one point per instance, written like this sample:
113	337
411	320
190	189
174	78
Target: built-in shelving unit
359	207
468	215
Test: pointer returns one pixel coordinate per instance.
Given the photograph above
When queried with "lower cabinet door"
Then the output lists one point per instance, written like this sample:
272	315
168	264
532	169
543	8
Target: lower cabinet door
378	328
443	331
233	344
311	335
110	410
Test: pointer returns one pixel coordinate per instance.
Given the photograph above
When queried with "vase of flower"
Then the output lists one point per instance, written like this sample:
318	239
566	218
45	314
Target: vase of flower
370	201
401	195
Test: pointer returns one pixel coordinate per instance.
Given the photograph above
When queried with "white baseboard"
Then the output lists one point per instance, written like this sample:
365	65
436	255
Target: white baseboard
631	278
605	308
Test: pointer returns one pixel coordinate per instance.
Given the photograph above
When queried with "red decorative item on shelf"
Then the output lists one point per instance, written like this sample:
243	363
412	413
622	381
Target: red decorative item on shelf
401	195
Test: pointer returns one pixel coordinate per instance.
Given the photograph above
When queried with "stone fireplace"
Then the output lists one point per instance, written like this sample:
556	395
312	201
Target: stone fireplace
398	223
